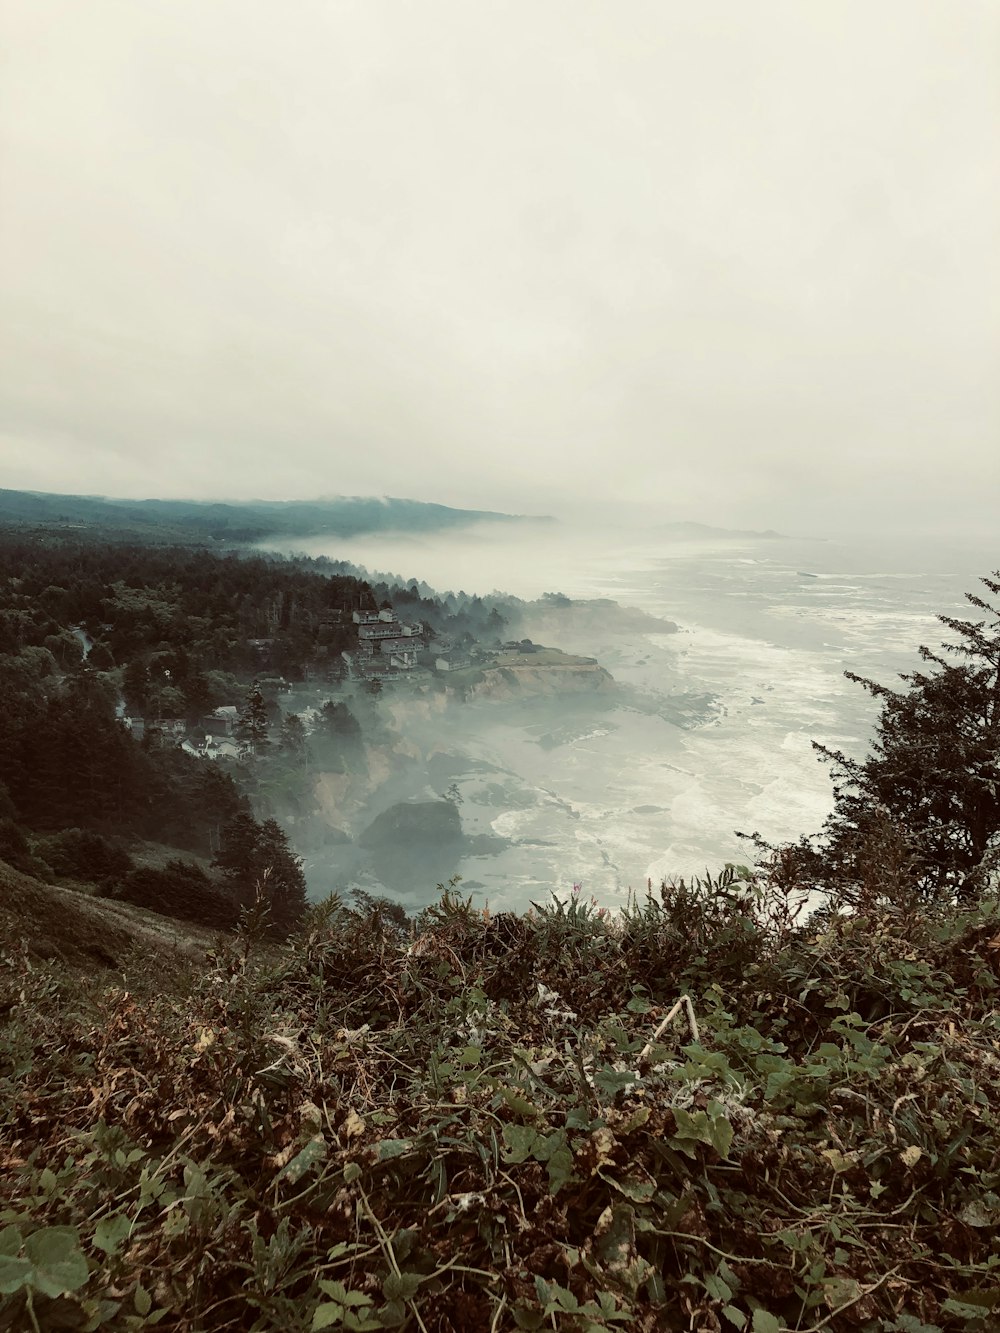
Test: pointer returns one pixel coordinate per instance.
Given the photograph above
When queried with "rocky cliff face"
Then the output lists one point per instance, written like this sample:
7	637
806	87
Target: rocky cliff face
431	720
516	681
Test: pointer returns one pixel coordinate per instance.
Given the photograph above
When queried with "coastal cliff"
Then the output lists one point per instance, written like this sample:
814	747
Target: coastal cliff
546	672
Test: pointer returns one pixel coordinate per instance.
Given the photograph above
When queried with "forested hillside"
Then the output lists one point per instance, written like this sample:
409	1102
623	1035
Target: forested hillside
201	521
109	652
89	631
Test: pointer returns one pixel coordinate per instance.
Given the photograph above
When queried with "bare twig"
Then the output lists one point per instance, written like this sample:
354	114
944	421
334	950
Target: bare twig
865	1291
683	1002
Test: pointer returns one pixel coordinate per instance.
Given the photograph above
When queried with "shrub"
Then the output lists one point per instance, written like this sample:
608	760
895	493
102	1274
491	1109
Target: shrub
181	889
82	854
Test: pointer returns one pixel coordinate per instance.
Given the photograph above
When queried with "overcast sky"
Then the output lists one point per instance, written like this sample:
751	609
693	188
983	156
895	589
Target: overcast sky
735	258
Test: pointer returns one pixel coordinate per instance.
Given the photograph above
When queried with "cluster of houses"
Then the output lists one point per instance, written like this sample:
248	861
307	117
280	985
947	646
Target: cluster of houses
387	649
390	648
385	645
213	739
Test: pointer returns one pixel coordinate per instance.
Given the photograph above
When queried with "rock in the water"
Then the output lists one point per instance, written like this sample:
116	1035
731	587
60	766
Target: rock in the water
423	823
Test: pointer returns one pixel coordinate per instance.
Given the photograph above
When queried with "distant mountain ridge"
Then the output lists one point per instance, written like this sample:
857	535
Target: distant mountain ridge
233	521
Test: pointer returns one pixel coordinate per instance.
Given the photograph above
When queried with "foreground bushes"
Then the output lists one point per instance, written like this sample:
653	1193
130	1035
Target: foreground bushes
509	1123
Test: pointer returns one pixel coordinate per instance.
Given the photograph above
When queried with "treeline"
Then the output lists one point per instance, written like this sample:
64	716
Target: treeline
86	630
89	630
203	617
66	761
187	612
76	790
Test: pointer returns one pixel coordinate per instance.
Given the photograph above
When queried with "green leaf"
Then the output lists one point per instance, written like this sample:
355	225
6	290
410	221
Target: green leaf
976	1214
560	1159
736	1317
721	1132
386	1149
520	1140
908	1323
59	1265
611	1081
718	1289
111	1231
392	1315
11	1240
142	1300
962	1309
518	1103
401	1286
765	1323
327	1315
14	1274
335	1290
313	1153
639	1191
554	1297
988	1298
696	1126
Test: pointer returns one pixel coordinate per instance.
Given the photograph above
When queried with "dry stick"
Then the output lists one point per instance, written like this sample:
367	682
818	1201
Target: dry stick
733	1258
685	1000
390	1253
865	1291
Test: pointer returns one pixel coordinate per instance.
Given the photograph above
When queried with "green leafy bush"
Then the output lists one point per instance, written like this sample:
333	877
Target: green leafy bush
82	854
511	1122
181	889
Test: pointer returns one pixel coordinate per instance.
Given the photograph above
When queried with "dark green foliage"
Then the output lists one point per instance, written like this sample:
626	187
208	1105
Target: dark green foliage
181	889
698	931
17	851
337	739
381	916
292	740
363	1130
255	856
928	794
254	724
338	724
82	854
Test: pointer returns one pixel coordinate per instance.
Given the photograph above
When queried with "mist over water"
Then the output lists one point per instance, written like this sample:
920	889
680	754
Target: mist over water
709	729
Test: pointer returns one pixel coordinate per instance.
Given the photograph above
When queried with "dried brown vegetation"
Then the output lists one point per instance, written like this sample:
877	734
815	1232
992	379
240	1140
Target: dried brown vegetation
491	1125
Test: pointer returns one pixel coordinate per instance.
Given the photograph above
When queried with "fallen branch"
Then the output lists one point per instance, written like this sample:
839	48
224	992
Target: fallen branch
685	1002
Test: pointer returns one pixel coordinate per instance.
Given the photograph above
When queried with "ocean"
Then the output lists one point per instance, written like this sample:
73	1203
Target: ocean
711	728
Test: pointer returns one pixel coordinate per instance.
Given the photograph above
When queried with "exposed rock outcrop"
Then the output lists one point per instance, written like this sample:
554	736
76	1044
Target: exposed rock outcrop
414	823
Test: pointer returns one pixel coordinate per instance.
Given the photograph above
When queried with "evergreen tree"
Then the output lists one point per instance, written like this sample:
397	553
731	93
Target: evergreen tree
285	880
135	686
337	723
253	855
933	774
253	723
237	856
293	739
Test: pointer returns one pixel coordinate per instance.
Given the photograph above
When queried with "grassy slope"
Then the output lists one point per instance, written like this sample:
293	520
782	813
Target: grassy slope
89	933
357	1134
